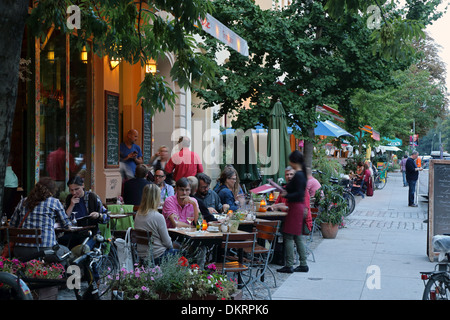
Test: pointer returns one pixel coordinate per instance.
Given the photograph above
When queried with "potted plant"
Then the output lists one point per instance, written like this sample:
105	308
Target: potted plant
174	278
332	208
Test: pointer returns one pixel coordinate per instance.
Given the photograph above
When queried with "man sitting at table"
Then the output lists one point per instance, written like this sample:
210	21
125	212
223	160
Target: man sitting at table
209	197
132	189
208	216
87	208
179	207
160	181
281	202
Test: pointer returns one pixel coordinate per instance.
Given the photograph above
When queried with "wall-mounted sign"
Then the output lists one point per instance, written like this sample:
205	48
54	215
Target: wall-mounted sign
219	31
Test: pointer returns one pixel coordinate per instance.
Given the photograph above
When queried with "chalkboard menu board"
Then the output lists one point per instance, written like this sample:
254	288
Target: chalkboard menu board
111	130
146	136
438	201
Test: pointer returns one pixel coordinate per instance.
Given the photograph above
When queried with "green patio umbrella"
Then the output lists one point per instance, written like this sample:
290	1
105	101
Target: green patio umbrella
247	171
279	149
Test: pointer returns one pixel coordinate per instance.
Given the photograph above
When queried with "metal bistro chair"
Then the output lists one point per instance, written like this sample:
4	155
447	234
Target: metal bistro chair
267	233
310	237
22	236
239	242
142	237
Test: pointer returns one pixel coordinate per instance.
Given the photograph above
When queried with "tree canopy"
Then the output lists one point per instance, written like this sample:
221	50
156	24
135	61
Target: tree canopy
308	54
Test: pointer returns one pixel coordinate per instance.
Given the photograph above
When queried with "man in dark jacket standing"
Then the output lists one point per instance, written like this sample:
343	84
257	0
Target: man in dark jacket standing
412	175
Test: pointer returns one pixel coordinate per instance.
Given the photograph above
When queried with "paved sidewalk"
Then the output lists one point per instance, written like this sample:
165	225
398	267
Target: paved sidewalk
377	256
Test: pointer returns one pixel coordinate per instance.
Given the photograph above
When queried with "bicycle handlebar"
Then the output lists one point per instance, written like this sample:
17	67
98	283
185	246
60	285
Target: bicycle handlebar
53	252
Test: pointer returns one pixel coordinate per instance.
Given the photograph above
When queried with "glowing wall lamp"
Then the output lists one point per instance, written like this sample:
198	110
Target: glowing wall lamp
114	62
51	55
84	55
150	66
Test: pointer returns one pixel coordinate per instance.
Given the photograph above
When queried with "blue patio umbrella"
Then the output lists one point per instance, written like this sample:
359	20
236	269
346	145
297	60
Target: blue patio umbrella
327	128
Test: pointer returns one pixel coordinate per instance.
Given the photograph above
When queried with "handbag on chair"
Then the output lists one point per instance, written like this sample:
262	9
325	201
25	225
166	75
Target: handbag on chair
125	252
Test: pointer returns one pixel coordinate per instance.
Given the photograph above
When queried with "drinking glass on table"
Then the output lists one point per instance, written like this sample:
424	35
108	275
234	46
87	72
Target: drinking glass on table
190	220
74	218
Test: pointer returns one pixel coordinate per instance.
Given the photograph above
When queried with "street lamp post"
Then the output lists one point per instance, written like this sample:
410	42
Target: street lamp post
432	140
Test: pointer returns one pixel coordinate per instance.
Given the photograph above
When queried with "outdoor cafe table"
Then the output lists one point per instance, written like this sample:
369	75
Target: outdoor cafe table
210	240
271	215
121	220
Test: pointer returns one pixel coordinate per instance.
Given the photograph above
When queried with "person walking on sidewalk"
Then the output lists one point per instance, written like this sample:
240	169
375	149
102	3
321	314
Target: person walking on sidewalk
293	223
403	168
412	175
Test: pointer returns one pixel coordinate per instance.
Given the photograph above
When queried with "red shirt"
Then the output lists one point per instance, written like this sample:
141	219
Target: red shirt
56	164
186	163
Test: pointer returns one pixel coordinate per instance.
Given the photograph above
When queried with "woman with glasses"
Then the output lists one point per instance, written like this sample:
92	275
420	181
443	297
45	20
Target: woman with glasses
227	190
166	189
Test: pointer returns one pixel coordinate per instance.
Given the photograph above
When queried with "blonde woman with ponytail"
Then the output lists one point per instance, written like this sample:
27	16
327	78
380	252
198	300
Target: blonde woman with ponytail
148	218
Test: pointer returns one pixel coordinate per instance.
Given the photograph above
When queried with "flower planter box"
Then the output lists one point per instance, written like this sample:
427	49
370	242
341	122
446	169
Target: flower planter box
50	293
174	296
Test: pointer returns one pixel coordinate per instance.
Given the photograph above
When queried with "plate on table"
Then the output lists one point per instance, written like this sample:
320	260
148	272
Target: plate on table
213	229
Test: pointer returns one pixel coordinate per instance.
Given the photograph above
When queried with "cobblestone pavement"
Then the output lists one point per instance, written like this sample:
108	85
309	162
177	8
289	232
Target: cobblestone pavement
388	219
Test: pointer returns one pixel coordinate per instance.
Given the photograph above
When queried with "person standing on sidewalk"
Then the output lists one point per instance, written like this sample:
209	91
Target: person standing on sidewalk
412	175
403	168
293	223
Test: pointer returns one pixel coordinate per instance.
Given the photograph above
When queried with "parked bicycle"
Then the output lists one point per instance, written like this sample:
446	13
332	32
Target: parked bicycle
97	268
347	194
437	282
380	177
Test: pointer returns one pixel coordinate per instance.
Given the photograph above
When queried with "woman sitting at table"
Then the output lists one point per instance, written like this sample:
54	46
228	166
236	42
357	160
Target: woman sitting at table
86	207
228	190
40	210
180	207
148	218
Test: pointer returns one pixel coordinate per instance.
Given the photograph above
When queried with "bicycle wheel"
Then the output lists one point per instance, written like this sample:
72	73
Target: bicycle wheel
351	202
437	287
107	271
13	288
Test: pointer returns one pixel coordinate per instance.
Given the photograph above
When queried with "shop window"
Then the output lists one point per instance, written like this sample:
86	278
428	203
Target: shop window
63	131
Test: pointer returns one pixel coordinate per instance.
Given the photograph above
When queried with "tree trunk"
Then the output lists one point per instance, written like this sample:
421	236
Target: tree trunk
309	148
13	14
